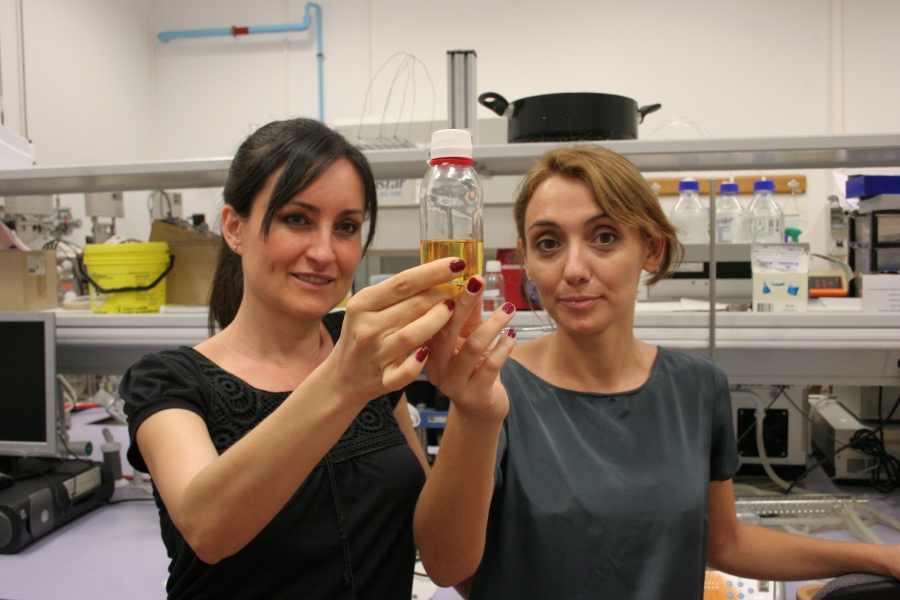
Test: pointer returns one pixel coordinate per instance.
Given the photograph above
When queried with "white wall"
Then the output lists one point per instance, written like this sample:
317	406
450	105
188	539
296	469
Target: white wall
101	88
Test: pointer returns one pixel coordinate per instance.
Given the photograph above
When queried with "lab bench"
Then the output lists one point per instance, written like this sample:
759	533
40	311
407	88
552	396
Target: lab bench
839	348
116	551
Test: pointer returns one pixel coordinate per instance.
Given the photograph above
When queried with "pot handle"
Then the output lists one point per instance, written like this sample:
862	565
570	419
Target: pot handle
646	110
494	101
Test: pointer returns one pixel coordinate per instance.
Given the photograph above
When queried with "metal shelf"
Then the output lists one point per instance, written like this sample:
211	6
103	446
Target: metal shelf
797	348
807	152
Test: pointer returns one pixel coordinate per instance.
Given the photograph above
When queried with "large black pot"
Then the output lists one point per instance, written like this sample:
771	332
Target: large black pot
569	117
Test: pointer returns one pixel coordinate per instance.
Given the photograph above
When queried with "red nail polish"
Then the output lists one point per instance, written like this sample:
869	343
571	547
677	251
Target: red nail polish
458	265
422	354
474	285
508	308
511	333
449	304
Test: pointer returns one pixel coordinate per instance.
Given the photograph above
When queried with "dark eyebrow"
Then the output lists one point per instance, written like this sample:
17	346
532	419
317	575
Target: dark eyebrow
315	209
553	224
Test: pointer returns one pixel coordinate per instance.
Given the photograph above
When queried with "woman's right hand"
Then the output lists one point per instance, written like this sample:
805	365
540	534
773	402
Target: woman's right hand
381	348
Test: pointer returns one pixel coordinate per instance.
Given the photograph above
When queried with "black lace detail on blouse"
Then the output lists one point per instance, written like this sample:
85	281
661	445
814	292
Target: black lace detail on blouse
235	407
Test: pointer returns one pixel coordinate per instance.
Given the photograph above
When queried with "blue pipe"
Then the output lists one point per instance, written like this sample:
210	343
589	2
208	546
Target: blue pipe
165	36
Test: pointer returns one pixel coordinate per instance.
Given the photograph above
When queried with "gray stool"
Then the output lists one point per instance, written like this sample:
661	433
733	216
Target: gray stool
860	586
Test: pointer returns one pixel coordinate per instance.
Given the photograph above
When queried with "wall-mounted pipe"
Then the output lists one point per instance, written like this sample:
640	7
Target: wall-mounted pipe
165	36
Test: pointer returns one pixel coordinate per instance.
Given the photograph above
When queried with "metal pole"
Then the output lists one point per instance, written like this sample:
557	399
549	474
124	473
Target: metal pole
461	92
712	268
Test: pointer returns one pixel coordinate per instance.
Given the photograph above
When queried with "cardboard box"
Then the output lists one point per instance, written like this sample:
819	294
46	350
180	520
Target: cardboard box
881	293
195	262
780	278
28	280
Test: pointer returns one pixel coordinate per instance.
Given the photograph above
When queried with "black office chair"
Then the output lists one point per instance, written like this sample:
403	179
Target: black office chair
860	586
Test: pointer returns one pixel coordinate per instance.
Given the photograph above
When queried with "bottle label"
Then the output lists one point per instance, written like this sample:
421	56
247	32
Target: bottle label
491	294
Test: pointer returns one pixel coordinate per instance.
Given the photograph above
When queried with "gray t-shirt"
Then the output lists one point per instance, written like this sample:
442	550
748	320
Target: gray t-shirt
604	495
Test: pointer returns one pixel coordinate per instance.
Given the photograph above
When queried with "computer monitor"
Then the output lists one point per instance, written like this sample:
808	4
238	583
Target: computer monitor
29	409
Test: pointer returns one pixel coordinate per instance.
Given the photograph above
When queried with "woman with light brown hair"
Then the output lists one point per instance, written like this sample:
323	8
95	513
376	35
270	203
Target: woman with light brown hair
599	466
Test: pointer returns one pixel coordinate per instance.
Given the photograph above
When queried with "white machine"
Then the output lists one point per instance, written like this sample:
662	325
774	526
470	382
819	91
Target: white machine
103	204
37	221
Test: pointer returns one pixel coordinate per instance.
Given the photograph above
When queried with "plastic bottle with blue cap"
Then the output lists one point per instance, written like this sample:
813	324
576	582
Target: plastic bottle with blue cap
765	222
729	215
690	218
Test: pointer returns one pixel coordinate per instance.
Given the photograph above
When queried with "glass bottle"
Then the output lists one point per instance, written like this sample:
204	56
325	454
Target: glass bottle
494	295
729	215
765	221
690	218
451	206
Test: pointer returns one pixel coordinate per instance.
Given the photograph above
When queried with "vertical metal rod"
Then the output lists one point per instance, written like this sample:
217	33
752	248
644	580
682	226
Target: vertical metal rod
712	268
471	96
461	93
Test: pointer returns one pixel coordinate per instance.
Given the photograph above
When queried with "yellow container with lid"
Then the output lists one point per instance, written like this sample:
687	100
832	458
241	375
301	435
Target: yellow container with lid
127	278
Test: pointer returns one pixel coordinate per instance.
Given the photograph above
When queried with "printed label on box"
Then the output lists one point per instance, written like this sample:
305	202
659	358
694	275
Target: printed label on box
780	278
881	293
36	265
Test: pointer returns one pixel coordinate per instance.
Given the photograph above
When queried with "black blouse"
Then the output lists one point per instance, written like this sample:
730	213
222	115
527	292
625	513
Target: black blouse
347	530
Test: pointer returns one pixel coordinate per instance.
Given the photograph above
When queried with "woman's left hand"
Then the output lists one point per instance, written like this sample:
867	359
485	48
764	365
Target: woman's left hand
463	361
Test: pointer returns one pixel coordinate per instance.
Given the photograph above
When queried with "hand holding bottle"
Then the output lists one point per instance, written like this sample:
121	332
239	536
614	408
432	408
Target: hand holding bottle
465	362
382	344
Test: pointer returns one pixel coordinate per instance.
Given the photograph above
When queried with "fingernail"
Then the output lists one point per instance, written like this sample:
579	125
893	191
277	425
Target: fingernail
422	354
474	285
508	308
449	304
511	333
457	265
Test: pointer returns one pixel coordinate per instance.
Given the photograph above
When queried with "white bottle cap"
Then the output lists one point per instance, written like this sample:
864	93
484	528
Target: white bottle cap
451	143
493	266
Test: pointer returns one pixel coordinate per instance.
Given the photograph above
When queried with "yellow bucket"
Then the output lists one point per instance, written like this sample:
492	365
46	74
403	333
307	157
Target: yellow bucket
127	278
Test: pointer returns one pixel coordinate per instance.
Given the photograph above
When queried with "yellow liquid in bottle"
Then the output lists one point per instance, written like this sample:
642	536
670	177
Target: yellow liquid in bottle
471	251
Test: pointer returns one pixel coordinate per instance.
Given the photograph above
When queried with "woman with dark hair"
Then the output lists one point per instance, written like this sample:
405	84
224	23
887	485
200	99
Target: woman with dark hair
284	461
599	466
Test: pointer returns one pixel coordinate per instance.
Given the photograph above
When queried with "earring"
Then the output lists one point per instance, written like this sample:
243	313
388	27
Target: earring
234	247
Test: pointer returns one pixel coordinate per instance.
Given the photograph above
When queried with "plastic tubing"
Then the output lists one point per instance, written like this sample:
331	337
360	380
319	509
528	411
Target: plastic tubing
165	36
760	414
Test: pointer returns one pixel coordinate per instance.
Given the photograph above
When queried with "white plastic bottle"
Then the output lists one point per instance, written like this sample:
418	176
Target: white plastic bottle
765	221
690	218
494	295
451	207
729	216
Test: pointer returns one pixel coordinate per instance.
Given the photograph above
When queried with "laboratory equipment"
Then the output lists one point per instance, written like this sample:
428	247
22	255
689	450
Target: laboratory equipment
690	218
765	221
719	585
834	427
36	504
103	204
729	216
451	207
37	221
691	280
875	241
494	293
785	428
